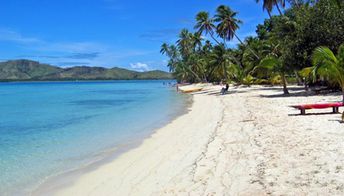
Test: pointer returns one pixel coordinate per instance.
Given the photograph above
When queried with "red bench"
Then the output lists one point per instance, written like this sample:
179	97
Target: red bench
334	106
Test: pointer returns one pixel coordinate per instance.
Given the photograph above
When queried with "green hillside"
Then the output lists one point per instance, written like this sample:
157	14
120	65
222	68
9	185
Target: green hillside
157	74
18	70
25	70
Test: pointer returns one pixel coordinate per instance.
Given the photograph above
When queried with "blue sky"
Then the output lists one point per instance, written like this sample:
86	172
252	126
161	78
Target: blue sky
122	33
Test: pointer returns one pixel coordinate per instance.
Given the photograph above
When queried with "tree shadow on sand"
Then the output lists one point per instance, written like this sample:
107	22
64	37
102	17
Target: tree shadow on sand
340	121
300	92
217	92
279	88
230	92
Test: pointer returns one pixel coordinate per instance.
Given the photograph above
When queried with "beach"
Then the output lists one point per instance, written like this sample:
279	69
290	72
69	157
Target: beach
247	142
141	98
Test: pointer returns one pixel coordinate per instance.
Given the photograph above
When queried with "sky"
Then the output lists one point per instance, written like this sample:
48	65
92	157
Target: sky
107	33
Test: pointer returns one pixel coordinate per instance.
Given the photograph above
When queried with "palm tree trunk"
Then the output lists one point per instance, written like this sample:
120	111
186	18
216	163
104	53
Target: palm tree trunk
247	46
212	36
284	81
298	79
279	10
198	78
224	42
306	83
211	72
205	78
193	73
225	73
343	93
296	3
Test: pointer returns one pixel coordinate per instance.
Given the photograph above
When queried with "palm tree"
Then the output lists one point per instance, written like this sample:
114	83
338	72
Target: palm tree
249	61
171	52
184	42
164	48
177	65
228	24
205	25
197	41
181	73
185	60
221	63
328	64
207	47
275	65
197	64
269	4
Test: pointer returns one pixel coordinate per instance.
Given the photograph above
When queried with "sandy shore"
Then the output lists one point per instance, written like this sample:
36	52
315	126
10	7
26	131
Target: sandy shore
248	142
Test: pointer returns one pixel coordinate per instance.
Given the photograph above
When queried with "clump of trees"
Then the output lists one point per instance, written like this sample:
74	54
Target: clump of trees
284	45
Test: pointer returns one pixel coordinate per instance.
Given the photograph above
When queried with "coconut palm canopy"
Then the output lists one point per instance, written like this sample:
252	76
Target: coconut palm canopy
327	64
283	45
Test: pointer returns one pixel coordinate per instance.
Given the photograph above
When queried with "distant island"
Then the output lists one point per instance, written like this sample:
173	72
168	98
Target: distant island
28	70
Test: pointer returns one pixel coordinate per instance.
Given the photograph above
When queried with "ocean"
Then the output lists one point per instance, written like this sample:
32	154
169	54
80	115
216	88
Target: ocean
50	128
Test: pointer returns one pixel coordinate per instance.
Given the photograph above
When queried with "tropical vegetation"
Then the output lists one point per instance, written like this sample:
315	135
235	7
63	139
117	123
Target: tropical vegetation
328	65
284	45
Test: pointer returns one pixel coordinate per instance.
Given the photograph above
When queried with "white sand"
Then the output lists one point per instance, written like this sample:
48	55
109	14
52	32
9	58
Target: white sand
237	144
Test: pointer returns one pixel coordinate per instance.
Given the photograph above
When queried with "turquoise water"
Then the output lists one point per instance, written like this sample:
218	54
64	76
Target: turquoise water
47	128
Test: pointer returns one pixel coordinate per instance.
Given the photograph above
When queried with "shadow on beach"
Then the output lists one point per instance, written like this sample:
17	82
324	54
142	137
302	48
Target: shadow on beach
296	92
340	121
217	92
278	88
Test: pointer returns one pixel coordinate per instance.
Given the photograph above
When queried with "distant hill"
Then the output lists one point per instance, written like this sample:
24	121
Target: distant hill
21	70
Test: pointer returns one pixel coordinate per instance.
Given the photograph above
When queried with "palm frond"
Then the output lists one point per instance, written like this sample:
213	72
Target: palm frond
323	55
270	63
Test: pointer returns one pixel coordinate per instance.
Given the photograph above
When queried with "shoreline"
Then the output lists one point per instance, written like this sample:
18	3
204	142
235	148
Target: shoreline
248	142
64	178
80	80
123	156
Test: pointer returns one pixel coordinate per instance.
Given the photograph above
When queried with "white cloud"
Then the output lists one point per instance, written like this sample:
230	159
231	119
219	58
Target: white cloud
139	66
12	36
7	35
87	53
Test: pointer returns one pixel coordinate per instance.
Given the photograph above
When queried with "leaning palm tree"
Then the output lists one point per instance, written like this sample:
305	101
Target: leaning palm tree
221	65
275	66
326	63
186	45
205	25
228	24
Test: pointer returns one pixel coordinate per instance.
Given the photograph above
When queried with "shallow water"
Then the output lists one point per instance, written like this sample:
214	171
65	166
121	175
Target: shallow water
48	128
